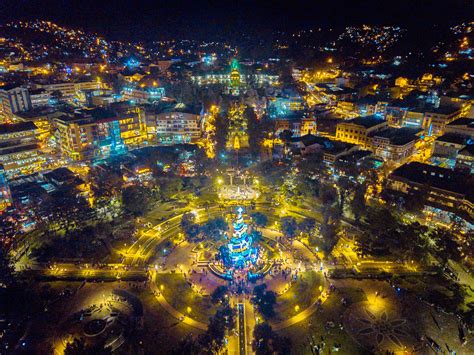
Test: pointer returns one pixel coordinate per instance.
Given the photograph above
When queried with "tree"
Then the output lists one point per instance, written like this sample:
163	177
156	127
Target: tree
222	132
415	200
265	300
170	187
345	185
57	95
327	194
188	225
254	131
214	228
213	339
267	342
329	237
6	267
260	219
135	200
218	295
289	226
307	225
446	246
358	205
224	255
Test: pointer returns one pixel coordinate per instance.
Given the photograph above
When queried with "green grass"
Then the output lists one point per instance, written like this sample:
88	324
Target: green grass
179	294
302	293
301	333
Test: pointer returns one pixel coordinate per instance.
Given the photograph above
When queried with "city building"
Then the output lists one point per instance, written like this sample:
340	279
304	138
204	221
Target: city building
331	149
297	126
447	147
396	145
143	95
235	79
286	107
5	193
360	130
39	97
99	132
445	189
173	125
465	159
20	151
68	90
437	119
463	126
13	99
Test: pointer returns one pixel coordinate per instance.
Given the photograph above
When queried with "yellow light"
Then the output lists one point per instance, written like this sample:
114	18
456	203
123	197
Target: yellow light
297	308
188	309
162	287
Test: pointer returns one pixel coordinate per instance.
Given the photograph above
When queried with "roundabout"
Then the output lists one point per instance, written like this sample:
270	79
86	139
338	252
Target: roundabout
238	261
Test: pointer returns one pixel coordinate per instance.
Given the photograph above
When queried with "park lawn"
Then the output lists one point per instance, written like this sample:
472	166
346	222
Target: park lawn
179	294
302	293
160	330
301	333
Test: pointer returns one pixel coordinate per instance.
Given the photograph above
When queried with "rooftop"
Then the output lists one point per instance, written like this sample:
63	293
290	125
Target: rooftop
444	110
441	178
453	138
366	121
399	136
17	127
19	149
463	121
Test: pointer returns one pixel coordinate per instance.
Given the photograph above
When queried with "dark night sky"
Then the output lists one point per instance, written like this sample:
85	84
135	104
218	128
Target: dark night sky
142	19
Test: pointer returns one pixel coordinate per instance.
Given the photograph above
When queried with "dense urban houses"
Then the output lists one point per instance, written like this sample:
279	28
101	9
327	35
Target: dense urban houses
236	177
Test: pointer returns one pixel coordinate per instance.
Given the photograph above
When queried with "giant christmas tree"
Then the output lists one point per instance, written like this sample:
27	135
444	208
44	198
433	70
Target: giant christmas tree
240	244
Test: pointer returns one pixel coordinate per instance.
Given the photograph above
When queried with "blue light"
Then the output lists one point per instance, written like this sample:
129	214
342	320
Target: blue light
132	63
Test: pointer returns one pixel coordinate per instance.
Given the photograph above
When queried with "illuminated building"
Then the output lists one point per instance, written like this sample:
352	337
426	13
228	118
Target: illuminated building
13	99
396	145
465	159
39	98
446	189
172	127
437	119
286	107
99	133
5	194
448	147
209	59
143	95
20	152
76	137
69	89
42	119
298	126
240	244
331	149
234	79
359	130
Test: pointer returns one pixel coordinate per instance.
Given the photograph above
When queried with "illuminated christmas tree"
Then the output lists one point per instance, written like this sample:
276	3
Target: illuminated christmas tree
240	244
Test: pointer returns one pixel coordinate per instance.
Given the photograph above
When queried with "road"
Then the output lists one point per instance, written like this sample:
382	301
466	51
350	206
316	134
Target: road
241	329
